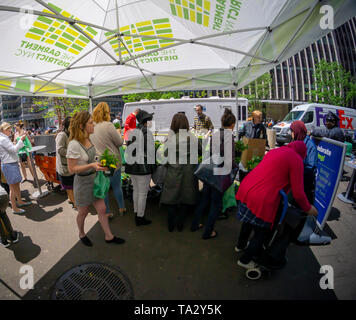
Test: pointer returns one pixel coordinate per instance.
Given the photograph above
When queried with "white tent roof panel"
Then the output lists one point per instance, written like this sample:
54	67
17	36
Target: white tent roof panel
65	47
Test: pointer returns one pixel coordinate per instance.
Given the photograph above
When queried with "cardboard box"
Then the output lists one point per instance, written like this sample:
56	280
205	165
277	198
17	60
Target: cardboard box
256	147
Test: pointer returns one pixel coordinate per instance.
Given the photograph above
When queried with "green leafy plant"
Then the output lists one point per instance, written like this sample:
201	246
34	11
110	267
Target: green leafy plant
258	90
152	95
239	147
117	125
109	160
57	107
333	84
252	164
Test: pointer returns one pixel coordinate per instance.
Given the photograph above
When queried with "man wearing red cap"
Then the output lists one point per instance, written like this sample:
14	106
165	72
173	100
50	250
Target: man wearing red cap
130	123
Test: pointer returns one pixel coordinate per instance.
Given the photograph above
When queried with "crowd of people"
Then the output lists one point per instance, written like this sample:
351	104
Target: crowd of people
85	136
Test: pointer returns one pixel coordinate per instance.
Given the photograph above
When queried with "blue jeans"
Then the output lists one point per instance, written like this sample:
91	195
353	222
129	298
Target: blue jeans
213	197
115	182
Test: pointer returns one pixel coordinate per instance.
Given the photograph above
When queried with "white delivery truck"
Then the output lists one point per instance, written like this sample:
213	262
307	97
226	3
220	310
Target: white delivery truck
313	115
164	109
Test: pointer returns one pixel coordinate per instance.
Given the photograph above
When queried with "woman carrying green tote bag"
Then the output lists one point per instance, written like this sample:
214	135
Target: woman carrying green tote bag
101	185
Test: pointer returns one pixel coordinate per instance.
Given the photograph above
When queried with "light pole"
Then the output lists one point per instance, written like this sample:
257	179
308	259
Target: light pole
291	82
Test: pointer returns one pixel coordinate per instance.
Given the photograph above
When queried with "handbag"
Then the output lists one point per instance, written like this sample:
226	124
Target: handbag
221	183
101	185
159	175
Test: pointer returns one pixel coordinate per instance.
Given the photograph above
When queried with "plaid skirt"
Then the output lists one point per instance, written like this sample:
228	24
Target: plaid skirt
244	214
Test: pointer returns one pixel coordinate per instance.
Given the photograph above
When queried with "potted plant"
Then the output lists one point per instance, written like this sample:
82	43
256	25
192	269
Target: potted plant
109	160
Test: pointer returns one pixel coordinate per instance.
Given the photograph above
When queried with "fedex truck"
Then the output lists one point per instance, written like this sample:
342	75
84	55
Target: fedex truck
313	115
164	109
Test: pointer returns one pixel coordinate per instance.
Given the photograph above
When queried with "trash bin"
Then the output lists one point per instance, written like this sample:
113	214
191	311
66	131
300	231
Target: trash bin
271	138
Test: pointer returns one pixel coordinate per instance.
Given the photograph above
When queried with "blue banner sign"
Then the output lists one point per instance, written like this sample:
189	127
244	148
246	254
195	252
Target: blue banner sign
331	155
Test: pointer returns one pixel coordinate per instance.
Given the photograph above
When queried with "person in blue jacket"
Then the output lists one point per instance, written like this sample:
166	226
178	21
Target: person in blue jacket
299	132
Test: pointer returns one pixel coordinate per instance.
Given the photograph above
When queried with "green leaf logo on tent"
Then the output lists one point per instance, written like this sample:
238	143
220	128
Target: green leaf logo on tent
197	11
157	27
59	33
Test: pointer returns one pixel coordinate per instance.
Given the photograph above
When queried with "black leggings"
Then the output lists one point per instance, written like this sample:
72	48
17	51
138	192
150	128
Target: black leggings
177	215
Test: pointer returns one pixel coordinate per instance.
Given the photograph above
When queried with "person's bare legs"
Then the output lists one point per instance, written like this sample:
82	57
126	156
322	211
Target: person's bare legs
82	214
103	218
70	196
18	193
13	198
29	164
23	169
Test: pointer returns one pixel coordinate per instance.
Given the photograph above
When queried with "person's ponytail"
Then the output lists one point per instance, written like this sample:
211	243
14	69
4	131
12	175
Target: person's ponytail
228	118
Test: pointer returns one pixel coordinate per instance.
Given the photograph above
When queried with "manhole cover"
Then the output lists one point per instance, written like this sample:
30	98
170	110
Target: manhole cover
93	281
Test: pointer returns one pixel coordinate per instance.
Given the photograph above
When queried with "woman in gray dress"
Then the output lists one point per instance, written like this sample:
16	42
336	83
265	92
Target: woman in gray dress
81	162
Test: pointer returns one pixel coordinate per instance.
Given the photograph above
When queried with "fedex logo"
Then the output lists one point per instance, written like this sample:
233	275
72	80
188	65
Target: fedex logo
344	123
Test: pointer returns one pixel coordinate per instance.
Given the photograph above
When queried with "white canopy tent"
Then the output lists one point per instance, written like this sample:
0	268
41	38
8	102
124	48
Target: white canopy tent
96	48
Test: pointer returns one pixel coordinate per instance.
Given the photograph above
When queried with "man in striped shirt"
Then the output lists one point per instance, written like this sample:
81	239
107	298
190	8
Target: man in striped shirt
202	122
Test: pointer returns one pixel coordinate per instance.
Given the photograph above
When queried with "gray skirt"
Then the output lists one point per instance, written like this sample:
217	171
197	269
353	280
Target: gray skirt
11	172
83	189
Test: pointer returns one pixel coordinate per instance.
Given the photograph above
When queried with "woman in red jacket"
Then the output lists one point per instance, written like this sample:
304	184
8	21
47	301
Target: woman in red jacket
259	197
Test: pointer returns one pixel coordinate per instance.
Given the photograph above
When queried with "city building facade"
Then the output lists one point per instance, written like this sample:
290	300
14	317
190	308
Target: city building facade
15	108
293	79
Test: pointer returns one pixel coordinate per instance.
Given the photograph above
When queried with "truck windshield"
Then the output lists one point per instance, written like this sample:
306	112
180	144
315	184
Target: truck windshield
293	115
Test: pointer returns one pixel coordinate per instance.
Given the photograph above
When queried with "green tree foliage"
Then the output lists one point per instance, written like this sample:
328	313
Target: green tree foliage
152	96
61	107
259	89
333	85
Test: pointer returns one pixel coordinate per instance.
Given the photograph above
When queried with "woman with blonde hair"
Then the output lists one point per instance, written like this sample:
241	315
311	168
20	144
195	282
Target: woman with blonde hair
10	166
81	162
106	136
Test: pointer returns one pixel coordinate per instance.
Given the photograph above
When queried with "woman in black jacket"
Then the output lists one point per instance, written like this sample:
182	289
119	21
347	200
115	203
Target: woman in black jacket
140	163
211	196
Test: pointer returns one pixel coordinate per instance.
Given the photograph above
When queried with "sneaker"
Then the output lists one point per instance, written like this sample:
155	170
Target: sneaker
25	204
21	211
4	243
250	265
86	241
237	249
15	237
115	240
142	221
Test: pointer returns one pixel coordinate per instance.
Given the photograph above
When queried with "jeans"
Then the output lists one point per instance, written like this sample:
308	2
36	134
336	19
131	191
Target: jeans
115	182
208	193
255	247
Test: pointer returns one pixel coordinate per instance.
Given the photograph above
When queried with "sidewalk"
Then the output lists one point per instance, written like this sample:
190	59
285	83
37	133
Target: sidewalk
164	265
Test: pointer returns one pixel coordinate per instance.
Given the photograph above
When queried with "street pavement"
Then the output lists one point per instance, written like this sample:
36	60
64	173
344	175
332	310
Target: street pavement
162	265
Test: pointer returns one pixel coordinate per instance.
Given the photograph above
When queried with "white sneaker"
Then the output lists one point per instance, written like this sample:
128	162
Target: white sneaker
250	265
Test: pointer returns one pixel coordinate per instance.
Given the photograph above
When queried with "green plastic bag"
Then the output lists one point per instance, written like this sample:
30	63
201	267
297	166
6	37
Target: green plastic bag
122	154
348	148
101	185
229	199
27	145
